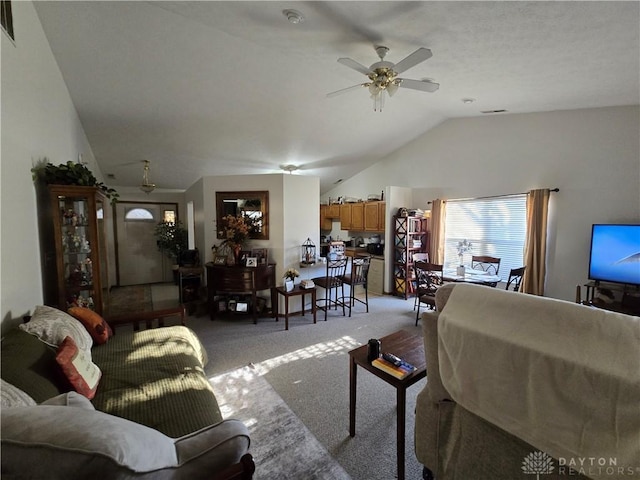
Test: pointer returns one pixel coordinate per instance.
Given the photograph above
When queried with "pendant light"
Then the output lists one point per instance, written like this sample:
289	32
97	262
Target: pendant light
146	186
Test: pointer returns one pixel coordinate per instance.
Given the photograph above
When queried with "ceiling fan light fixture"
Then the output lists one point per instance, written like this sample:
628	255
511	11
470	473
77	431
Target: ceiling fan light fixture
289	168
146	186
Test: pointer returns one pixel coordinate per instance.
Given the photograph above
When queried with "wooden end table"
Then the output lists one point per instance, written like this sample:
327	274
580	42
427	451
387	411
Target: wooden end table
409	347
296	292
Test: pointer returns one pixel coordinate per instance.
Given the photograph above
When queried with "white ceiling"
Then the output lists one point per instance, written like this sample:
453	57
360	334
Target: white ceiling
222	88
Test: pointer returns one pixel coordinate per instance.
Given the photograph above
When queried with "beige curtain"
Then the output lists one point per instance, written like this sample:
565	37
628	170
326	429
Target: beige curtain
536	242
436	227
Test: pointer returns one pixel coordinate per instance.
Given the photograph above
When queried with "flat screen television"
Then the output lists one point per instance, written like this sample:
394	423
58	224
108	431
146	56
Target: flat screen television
615	254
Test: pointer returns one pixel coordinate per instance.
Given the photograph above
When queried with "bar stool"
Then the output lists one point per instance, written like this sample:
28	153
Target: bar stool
331	282
358	276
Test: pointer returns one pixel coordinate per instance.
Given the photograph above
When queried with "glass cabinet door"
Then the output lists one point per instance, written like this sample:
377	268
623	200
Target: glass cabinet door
77	236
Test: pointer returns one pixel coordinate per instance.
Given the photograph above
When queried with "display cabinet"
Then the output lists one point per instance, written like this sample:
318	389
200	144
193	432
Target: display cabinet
410	237
73	246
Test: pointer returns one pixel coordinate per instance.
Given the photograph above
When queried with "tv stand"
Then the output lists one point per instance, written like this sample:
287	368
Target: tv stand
626	297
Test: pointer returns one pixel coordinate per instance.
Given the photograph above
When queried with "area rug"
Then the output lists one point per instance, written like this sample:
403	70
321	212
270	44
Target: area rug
134	298
282	446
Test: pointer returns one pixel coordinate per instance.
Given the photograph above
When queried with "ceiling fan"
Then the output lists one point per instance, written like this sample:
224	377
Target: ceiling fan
383	76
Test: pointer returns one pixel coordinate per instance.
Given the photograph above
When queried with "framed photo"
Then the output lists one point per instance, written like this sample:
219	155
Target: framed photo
262	254
252	262
220	260
242	307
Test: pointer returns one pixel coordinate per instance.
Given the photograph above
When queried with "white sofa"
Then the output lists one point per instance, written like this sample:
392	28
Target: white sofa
519	385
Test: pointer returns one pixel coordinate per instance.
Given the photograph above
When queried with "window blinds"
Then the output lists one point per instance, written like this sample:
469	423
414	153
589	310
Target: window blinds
495	226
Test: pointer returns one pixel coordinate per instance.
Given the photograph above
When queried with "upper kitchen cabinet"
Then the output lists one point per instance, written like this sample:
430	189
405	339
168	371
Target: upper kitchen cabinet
374	216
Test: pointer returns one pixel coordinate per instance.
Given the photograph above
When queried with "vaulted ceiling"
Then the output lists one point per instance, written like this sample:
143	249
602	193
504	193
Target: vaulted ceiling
221	88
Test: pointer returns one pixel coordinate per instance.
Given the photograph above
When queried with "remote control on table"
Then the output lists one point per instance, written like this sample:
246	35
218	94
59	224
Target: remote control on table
390	357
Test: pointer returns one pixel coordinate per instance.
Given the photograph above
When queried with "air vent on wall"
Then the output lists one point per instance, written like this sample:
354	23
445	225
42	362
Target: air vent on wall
493	111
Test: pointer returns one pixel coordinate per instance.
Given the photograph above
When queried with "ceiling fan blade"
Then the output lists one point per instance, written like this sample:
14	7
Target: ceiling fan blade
422	85
344	90
413	59
355	65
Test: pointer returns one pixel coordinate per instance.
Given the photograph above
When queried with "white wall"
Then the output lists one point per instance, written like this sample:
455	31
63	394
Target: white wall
293	213
592	155
38	121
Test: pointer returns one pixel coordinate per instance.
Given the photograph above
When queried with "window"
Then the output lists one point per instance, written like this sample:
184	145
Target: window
494	226
169	216
138	215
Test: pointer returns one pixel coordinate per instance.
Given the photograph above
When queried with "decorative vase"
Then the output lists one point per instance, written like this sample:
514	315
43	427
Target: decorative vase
288	285
460	271
236	253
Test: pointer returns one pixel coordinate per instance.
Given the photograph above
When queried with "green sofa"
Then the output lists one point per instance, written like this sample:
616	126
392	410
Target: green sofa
154	415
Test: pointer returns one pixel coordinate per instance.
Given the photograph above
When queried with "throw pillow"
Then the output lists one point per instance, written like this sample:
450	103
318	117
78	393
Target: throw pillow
11	396
77	366
60	442
97	327
70	399
52	326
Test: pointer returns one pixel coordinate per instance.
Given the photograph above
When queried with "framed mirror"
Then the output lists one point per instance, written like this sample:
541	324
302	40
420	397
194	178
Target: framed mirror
253	205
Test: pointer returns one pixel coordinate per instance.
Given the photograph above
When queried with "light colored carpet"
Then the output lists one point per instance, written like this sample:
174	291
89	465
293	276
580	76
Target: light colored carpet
308	366
282	447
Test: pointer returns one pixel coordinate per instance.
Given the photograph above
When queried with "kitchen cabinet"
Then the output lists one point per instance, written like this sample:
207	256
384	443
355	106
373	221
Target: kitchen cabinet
374	216
357	216
345	216
326	222
333	211
376	276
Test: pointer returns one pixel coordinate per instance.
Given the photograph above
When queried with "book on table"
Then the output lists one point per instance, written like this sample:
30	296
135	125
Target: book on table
398	371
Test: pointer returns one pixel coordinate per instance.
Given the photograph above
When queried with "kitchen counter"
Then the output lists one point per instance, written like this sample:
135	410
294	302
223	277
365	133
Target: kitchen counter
352	251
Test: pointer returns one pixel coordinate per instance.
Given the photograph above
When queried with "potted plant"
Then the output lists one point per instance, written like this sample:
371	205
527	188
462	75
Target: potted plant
463	247
172	240
289	278
70	173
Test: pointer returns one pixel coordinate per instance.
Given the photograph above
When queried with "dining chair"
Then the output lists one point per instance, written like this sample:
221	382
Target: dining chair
418	257
428	280
491	265
332	282
515	278
357	276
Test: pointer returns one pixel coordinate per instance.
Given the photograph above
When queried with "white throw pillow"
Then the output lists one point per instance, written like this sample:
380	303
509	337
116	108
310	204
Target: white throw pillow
12	396
70	399
52	326
62	442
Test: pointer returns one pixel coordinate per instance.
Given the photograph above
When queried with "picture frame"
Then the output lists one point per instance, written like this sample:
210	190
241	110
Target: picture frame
262	254
220	260
252	262
244	254
242	307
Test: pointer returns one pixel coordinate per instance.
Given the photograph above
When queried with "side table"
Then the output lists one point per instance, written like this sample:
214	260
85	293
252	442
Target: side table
296	292
409	347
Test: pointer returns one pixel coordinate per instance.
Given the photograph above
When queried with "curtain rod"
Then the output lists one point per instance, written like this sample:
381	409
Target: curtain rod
497	196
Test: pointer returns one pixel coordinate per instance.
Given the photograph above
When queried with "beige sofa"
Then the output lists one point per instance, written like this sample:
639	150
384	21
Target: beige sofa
520	386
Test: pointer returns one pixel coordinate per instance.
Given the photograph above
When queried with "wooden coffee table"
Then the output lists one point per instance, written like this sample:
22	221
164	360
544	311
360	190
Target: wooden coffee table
409	347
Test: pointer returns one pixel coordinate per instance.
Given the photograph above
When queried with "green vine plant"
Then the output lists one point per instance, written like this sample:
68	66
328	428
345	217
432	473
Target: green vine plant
70	173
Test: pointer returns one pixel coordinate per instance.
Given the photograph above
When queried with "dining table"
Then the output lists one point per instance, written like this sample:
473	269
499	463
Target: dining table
471	275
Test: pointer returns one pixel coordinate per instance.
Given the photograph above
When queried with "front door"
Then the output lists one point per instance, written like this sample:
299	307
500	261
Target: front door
138	258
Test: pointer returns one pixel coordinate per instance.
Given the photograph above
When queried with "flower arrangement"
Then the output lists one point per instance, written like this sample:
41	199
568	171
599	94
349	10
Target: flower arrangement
463	247
291	274
236	230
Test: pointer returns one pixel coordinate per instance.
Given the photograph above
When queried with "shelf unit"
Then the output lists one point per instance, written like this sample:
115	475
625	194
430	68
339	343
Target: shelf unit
410	236
73	246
